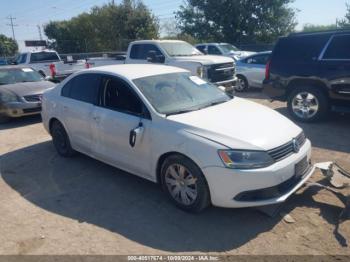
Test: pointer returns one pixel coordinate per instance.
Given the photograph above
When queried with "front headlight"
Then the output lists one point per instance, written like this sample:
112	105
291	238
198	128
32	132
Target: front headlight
239	159
7	97
200	71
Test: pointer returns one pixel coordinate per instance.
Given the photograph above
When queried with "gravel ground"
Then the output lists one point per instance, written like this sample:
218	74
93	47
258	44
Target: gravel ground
50	205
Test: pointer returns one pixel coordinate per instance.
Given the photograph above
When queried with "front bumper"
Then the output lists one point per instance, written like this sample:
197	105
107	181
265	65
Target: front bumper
18	109
228	84
228	187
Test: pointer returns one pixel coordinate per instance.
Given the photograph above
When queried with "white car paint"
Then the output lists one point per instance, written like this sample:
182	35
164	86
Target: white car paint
190	63
237	124
62	69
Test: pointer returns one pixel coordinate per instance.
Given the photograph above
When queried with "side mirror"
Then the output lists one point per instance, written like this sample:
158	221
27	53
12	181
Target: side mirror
152	57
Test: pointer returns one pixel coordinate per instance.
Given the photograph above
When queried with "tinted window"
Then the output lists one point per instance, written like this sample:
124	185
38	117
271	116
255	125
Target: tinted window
43	56
258	60
140	51
83	88
339	48
299	48
117	95
201	48
21	59
213	50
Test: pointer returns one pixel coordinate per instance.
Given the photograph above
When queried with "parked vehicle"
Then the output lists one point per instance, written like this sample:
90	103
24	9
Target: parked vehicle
3	61
165	125
215	69
49	63
250	71
311	71
21	89
223	49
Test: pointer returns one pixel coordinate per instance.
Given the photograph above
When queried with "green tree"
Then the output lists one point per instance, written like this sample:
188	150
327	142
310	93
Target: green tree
312	28
106	28
236	21
8	47
345	23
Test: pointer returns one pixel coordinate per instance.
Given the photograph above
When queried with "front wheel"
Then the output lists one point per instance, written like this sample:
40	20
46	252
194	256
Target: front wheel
308	104
242	84
185	184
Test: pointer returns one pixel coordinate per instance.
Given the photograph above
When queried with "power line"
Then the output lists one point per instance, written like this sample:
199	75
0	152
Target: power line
12	25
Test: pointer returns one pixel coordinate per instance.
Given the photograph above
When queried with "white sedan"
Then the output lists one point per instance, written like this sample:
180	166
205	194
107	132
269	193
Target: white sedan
160	123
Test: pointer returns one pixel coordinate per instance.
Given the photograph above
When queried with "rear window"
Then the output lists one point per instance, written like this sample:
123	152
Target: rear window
44	56
140	51
339	48
299	48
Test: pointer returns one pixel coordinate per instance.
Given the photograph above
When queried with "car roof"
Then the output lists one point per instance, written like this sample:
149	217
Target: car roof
329	32
157	41
213	44
14	67
134	71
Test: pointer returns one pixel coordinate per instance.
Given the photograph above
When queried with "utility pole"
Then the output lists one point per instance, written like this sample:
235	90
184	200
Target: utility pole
40	34
12	26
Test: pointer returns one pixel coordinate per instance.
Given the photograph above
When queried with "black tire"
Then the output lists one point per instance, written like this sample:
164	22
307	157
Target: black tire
242	84
4	119
202	201
320	97
60	140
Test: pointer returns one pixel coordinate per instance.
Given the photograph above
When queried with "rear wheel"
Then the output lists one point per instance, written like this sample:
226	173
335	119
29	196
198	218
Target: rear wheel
61	140
308	104
242	84
185	184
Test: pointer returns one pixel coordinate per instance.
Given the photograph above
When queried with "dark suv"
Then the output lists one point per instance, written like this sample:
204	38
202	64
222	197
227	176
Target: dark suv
311	71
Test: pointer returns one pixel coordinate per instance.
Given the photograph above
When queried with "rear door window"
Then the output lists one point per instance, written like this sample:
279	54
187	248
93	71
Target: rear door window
44	57
140	51
83	88
339	48
258	60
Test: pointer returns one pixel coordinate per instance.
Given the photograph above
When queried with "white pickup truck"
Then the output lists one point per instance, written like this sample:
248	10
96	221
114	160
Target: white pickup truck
216	69
49	63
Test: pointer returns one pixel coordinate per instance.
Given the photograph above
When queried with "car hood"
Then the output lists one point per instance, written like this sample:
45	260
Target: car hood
204	59
28	88
240	124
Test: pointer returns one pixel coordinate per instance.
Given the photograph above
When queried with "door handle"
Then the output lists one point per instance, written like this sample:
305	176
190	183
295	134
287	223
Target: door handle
133	137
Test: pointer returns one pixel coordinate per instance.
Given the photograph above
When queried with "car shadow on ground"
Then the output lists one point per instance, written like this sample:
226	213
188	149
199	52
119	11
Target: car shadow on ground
20	122
89	191
332	133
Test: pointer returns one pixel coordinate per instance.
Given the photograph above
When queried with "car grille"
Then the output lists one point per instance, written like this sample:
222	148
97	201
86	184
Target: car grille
33	98
288	149
221	72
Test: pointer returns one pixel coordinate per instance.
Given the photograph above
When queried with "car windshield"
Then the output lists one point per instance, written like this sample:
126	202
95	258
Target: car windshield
227	48
180	49
178	93
18	75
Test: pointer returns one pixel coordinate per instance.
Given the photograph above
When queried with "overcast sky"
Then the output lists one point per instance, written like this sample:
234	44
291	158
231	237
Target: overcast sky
31	13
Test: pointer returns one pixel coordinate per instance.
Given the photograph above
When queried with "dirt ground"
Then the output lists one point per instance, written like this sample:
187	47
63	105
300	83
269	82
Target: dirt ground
51	205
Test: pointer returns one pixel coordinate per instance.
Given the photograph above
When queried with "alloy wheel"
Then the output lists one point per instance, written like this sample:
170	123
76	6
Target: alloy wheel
305	105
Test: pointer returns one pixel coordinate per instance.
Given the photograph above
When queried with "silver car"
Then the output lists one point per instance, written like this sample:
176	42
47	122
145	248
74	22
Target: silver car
251	71
21	89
